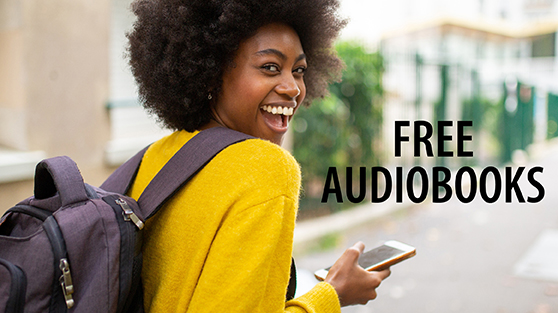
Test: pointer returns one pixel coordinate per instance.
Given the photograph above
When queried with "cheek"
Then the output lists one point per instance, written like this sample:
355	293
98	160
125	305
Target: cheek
254	92
302	95
244	98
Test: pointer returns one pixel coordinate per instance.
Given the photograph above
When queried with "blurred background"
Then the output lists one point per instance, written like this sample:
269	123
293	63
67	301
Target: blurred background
65	89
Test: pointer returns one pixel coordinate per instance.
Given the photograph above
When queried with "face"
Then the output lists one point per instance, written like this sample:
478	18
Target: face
265	85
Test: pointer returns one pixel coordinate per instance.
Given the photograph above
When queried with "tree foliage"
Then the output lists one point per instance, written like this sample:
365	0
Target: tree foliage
342	129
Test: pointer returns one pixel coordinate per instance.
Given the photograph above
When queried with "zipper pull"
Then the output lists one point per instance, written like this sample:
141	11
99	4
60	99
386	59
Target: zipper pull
129	214
66	283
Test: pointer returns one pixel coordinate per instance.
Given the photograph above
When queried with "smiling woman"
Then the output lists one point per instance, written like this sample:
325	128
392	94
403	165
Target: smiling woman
264	86
180	50
223	242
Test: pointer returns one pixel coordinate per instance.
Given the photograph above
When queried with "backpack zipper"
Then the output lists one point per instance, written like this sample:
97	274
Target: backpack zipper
128	213
66	283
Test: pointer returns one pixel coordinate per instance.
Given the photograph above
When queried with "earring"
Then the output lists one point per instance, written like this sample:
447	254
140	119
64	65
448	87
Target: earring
209	96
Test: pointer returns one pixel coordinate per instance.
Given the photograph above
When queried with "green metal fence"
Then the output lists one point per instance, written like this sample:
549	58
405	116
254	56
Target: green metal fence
552	116
517	120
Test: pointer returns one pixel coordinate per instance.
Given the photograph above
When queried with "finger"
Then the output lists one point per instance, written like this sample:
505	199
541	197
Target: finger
373	295
359	246
384	274
353	253
364	301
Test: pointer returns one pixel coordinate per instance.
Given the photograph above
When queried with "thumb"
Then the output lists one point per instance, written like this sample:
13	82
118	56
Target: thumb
355	251
359	246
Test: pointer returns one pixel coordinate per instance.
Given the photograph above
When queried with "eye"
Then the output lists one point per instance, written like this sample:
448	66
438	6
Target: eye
300	70
271	68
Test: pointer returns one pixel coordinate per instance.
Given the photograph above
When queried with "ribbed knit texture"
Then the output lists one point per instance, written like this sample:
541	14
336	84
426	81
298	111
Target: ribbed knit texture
224	242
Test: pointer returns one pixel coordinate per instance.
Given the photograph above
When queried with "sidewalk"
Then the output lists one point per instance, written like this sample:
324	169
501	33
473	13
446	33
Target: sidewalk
473	257
316	228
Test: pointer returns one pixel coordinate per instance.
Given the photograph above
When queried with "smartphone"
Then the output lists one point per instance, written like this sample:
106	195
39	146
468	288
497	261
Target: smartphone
379	258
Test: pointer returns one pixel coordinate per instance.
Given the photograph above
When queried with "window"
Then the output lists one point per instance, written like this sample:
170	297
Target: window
131	128
544	45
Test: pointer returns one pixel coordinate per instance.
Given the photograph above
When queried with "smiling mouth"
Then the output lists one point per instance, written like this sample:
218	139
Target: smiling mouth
278	110
277	117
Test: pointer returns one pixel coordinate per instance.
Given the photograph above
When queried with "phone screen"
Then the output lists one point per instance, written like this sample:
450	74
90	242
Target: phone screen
377	255
379	258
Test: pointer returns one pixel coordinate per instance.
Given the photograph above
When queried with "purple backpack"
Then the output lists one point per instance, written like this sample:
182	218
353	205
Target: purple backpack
76	248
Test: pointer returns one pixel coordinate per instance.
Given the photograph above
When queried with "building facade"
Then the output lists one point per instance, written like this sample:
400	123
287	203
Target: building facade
65	89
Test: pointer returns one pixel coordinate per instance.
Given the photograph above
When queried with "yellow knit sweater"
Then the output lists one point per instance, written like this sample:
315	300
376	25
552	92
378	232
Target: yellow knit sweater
224	242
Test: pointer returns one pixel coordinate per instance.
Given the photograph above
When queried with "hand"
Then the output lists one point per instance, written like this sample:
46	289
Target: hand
354	285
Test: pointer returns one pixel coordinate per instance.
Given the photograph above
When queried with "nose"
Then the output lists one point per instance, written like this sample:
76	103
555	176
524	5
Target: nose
288	86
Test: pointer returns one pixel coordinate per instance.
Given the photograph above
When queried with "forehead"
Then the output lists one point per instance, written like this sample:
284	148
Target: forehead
272	36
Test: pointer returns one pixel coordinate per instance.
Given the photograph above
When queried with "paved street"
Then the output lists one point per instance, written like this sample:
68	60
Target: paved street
469	256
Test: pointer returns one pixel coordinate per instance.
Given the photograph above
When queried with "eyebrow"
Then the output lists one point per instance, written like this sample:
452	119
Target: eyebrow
280	54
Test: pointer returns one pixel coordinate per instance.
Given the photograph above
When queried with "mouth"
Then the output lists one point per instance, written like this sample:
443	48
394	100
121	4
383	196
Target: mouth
277	117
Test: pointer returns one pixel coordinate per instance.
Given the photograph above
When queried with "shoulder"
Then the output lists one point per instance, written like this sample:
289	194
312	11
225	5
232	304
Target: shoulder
261	154
156	156
257	163
251	166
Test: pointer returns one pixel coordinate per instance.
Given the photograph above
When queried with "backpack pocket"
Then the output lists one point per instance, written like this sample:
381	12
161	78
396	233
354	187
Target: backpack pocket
22	221
13	285
27	249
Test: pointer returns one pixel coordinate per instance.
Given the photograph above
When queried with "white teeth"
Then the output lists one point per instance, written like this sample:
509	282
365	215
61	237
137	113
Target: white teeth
278	110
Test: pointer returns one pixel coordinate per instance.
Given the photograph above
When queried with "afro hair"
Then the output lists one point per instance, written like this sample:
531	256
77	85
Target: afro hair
179	49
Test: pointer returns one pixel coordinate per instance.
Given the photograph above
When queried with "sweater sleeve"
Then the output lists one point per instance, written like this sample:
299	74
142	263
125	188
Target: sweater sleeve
321	298
224	243
247	268
252	277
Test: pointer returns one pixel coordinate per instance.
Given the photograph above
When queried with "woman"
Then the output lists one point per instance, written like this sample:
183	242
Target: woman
223	243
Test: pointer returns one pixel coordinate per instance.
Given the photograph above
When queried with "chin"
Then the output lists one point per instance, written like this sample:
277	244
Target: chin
278	141
274	137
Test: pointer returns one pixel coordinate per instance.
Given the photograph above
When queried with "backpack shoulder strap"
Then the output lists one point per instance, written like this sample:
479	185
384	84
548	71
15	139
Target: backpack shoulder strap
187	162
121	179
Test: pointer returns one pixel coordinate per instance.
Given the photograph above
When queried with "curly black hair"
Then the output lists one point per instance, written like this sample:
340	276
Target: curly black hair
179	49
